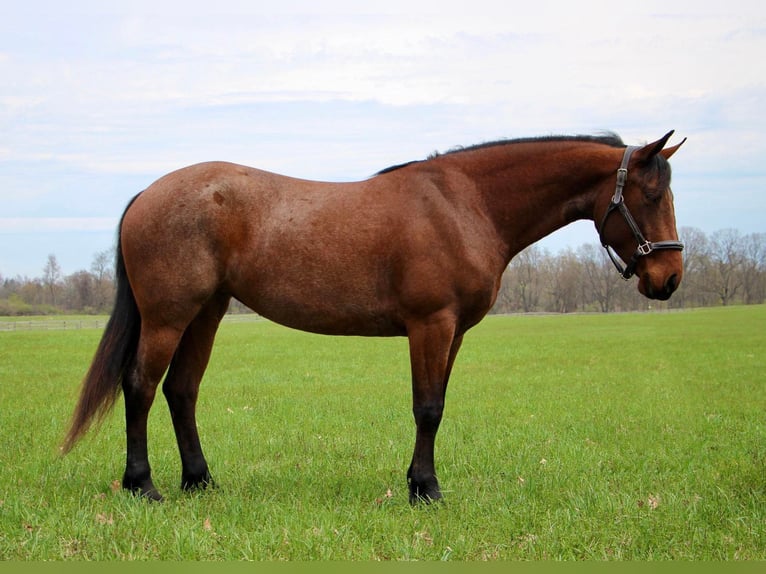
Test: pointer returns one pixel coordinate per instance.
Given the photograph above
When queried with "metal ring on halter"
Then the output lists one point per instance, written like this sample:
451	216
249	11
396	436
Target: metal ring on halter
645	247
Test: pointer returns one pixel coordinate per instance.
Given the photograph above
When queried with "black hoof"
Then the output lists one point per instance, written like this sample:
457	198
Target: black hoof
198	482
144	489
418	498
424	494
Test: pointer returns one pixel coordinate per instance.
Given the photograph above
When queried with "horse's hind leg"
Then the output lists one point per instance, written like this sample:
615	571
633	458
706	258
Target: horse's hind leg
155	349
181	389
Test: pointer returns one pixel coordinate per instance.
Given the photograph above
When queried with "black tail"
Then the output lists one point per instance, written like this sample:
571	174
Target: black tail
114	357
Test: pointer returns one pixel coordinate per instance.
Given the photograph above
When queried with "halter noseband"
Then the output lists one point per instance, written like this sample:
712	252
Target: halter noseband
645	247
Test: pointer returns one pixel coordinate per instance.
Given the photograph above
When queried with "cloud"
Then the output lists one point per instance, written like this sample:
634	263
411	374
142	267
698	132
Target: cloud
499	56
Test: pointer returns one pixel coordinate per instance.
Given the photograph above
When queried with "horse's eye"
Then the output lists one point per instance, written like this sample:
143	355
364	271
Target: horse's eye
654	196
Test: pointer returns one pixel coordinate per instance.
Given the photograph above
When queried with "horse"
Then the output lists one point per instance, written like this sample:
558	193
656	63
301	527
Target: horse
416	250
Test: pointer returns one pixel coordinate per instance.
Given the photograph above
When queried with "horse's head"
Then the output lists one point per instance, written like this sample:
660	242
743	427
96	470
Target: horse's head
638	224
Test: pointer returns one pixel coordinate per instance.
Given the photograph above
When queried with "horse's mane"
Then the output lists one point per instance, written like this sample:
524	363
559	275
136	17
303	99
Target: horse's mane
608	138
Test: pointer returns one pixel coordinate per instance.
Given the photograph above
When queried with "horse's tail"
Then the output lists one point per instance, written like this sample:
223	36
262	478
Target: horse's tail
114	357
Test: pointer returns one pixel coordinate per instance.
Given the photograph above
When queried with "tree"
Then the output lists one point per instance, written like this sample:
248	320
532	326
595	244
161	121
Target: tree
566	278
525	277
103	278
80	291
600	277
724	269
52	277
754	268
696	256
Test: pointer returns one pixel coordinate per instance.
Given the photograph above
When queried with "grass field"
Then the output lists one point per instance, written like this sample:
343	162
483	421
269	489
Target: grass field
603	437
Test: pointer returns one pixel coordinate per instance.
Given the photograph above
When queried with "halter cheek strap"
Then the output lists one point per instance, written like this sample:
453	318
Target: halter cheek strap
645	247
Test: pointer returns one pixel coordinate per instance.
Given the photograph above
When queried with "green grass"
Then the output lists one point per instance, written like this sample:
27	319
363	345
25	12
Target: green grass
605	437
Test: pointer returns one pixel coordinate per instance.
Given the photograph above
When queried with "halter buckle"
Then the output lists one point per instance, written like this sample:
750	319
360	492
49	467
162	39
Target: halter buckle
644	249
622	177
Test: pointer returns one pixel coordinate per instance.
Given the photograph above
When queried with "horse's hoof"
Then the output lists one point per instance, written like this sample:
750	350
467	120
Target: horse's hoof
424	494
151	494
416	499
198	483
143	489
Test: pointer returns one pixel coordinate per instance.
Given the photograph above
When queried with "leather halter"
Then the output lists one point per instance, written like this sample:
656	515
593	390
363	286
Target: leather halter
645	247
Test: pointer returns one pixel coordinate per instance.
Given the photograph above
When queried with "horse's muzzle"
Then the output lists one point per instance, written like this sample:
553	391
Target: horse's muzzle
662	293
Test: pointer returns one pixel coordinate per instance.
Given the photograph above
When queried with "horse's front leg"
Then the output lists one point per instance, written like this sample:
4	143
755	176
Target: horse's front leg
433	347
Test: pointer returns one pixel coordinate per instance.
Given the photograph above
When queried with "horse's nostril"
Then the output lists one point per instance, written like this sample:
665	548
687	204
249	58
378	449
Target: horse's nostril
672	283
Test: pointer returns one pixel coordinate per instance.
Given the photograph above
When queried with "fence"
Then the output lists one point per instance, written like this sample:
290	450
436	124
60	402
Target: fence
71	324
53	324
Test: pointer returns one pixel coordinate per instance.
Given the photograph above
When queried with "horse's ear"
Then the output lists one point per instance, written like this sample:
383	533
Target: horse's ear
666	153
647	152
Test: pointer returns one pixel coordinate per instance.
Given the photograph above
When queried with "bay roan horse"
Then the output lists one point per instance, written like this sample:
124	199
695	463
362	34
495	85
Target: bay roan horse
417	250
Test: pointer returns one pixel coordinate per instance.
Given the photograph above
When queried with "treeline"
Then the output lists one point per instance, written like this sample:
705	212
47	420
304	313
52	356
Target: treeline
723	268
85	292
88	292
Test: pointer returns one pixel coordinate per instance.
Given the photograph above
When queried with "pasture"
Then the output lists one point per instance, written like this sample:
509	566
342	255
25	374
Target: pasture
601	437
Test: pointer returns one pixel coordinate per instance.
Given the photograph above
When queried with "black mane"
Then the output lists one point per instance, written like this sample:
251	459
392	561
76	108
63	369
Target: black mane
610	139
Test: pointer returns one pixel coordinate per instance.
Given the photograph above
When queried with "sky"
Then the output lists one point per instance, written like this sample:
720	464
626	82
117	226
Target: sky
98	99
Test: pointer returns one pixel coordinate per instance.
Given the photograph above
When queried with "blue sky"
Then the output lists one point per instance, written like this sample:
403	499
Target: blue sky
99	100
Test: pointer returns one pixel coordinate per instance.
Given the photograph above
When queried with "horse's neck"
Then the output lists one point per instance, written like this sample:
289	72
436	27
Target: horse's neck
534	189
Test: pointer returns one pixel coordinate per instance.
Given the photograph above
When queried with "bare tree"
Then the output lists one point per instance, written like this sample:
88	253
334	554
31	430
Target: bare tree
754	268
52	277
599	275
525	278
80	291
724	270
696	254
102	270
566	278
